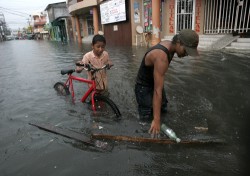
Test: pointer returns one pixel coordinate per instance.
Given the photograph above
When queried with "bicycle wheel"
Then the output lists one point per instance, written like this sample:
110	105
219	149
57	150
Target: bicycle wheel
106	107
61	89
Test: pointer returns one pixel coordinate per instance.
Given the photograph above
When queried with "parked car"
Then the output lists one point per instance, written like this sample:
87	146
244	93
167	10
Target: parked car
30	36
9	37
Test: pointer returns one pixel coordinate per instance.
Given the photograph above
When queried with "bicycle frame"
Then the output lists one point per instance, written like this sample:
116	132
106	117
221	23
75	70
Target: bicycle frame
91	90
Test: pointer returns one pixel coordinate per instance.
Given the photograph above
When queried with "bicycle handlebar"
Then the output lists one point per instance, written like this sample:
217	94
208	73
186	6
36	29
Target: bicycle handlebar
87	67
90	67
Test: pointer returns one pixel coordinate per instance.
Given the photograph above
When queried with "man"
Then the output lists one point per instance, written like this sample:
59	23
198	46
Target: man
149	89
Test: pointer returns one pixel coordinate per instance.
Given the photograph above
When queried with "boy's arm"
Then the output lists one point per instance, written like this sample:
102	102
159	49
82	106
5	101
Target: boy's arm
82	62
79	68
109	61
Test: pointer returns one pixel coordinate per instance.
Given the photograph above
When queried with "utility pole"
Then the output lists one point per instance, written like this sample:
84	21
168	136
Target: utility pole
29	26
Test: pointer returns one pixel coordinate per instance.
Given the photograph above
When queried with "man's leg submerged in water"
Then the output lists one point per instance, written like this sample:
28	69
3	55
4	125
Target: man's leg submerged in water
144	97
164	103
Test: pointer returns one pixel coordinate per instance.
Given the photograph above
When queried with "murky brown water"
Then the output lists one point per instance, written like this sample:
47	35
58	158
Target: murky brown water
212	92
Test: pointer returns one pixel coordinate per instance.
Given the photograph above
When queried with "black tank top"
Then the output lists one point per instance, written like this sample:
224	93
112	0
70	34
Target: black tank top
145	76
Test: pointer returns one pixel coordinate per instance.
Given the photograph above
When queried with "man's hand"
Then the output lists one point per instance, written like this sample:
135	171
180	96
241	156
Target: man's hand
155	129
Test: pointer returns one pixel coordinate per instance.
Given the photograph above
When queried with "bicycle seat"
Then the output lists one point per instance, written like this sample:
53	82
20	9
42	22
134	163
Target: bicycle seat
70	71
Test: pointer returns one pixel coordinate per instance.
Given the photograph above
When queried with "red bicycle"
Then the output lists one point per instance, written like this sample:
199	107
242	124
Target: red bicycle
99	103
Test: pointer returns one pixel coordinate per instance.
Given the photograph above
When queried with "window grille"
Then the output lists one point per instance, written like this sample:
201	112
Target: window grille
226	16
185	13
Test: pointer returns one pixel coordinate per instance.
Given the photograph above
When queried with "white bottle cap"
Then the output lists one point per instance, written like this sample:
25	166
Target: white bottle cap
178	140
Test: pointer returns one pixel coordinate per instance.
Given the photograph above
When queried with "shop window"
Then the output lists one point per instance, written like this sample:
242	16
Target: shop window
147	4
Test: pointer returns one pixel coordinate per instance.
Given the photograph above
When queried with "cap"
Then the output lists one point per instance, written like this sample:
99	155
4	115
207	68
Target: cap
190	39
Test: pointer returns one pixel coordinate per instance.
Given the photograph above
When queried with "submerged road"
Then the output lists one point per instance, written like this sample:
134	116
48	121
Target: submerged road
210	92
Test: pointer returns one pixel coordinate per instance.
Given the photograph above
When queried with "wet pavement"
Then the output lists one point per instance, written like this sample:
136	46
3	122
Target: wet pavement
211	92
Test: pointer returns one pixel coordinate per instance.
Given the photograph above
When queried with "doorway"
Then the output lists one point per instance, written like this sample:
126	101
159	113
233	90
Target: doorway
90	25
185	15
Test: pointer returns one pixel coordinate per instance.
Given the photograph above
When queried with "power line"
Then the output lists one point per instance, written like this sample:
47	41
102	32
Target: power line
13	12
3	8
17	13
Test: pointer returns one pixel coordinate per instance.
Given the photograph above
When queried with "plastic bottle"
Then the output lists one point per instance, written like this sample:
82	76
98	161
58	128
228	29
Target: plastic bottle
170	133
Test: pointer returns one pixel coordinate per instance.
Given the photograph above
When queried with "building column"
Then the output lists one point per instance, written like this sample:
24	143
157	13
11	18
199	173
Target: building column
85	27
95	20
156	19
73	27
79	38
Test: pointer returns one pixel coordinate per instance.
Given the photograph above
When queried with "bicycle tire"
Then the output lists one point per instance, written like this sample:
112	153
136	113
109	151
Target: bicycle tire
61	89
101	100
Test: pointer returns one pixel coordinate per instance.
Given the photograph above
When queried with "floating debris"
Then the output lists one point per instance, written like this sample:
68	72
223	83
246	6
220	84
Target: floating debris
201	128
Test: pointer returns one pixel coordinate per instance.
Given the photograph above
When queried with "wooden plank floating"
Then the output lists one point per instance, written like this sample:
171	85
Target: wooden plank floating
96	140
158	141
63	132
73	135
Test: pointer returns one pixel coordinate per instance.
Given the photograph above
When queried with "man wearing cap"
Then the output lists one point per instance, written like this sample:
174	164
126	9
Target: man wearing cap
149	89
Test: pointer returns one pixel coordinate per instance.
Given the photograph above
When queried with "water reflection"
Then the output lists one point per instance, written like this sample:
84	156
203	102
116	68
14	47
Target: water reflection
211	92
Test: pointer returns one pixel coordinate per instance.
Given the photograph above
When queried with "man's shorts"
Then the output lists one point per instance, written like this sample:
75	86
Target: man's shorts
144	98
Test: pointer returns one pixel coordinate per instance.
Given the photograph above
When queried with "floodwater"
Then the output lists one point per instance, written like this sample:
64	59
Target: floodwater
211	92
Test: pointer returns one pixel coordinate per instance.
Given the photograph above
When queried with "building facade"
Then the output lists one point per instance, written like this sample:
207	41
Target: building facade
60	22
150	21
39	21
4	32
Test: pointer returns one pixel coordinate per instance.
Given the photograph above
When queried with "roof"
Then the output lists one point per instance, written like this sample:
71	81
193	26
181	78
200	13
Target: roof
39	14
55	5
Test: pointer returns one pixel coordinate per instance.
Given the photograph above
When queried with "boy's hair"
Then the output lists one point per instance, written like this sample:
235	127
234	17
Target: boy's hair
98	38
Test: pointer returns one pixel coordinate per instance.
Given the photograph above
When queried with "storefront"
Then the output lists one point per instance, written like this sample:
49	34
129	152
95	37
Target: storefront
147	22
174	16
116	20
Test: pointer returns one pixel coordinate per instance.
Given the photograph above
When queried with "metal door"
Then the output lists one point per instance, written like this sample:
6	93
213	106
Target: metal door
226	16
185	14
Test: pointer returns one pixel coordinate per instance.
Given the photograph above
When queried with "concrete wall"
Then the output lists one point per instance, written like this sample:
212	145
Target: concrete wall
61	11
135	22
82	5
57	10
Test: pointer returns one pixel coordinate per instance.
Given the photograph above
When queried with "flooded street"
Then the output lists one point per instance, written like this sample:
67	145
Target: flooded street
210	92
